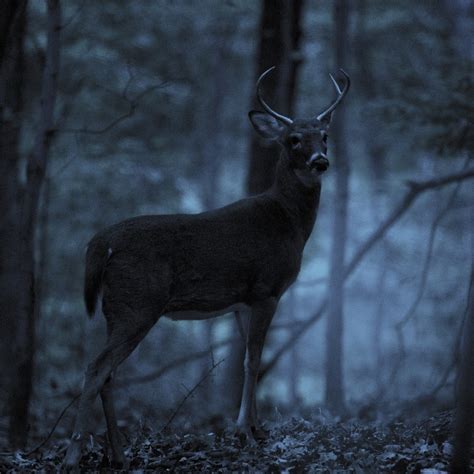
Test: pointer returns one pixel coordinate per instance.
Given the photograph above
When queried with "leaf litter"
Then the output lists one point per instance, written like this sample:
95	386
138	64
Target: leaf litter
295	445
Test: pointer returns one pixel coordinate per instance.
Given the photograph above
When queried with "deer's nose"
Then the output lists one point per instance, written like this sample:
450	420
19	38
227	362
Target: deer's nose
319	162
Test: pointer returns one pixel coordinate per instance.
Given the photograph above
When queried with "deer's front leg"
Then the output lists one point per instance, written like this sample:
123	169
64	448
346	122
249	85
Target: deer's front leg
260	319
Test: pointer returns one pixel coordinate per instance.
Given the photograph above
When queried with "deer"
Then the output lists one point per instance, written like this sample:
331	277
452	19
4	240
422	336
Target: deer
242	256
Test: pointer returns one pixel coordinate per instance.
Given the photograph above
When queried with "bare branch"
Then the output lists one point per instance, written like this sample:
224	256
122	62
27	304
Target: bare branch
429	253
416	188
132	106
172	365
421	289
53	429
313	282
73	15
190	392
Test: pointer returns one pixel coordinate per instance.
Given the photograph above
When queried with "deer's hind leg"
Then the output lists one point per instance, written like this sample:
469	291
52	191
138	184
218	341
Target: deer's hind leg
114	436
113	433
127	331
262	314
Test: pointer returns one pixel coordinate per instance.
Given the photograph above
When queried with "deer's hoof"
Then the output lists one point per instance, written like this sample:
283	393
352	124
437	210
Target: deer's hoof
121	464
73	455
259	434
244	433
118	460
71	461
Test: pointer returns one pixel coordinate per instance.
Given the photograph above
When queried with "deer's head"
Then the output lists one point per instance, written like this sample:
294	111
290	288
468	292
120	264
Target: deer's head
304	140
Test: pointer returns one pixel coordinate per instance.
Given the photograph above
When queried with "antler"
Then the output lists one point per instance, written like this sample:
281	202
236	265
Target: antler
267	108
340	93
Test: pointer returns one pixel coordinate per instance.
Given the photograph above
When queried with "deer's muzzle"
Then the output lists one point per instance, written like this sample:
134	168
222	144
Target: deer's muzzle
319	162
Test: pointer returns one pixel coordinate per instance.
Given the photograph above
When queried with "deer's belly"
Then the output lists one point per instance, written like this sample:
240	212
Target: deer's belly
201	315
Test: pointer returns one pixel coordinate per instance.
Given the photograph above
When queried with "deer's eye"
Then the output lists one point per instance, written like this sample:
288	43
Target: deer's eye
295	140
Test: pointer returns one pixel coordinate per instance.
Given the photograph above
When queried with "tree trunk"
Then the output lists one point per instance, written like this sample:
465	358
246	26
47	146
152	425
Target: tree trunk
375	151
209	145
24	303
12	34
334	395
465	390
280	34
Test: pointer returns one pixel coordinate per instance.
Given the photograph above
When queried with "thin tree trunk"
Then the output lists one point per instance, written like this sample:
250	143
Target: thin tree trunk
280	35
12	34
464	423
210	153
36	169
334	394
375	152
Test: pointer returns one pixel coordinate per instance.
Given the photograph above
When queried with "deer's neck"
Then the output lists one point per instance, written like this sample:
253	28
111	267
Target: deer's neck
299	202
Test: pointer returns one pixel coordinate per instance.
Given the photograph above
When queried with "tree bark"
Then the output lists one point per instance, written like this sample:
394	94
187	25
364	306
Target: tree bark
210	132
280	34
375	151
279	38
12	68
24	274
465	390
334	393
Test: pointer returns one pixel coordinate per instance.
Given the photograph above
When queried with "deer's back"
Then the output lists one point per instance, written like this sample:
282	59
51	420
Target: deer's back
236	254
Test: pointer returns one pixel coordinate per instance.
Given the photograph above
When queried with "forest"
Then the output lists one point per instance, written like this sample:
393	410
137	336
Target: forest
111	110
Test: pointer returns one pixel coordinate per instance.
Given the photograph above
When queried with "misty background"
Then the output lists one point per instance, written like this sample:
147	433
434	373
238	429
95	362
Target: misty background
151	117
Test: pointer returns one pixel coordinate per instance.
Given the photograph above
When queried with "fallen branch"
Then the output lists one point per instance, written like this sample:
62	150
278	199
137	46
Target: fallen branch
415	189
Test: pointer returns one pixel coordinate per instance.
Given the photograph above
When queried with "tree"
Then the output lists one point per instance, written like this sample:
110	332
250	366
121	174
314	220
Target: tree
375	150
464	423
21	204
11	107
280	34
334	394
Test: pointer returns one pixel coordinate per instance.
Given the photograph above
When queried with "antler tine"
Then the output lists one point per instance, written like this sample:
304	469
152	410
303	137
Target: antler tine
340	96
336	85
267	108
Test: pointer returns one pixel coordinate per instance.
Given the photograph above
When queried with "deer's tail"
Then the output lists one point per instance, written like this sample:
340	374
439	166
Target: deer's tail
96	258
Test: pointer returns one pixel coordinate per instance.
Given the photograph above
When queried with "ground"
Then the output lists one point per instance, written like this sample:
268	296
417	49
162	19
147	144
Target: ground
294	445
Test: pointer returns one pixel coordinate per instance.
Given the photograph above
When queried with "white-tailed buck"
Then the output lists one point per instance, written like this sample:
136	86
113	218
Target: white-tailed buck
244	255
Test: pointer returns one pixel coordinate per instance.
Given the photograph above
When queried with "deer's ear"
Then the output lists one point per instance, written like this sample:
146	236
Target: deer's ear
266	125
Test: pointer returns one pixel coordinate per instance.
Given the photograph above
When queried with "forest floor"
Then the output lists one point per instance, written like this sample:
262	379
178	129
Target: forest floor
296	445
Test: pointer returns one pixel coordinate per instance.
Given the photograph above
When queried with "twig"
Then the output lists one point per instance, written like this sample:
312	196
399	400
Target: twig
315	281
172	365
53	429
421	289
416	188
73	16
194	356
456	355
126	382
190	392
429	253
132	105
